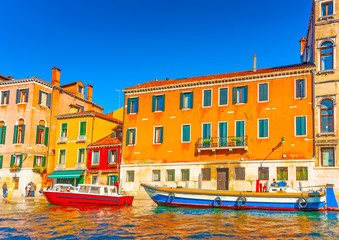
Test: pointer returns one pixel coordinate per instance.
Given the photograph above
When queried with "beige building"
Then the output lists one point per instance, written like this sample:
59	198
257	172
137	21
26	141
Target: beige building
321	48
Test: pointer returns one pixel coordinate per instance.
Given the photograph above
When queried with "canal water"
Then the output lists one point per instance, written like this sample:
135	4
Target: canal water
36	219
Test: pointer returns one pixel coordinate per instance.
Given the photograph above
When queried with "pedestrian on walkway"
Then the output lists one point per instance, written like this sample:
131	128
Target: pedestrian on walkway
4	190
33	188
28	189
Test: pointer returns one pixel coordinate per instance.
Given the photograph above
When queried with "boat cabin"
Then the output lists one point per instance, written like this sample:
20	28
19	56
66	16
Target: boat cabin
97	189
63	188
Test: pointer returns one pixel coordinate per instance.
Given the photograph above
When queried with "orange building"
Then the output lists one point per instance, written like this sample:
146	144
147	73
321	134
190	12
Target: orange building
220	131
28	125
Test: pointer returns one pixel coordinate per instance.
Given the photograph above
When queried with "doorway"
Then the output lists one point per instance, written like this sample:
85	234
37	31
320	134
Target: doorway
222	178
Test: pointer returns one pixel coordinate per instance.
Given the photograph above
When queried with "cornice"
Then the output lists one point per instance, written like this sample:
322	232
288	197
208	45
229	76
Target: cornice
220	81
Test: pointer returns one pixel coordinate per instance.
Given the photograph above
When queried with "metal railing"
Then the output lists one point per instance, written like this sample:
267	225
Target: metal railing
221	143
81	138
62	139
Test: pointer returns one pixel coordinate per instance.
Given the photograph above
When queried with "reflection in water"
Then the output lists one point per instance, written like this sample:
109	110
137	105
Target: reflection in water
41	220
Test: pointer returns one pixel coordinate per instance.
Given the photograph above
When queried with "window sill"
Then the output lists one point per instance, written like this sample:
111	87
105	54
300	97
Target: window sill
223	105
326	71
263	101
327	134
300	136
21	103
326	17
39	144
186	142
44	106
130	145
132	113
326	168
239	103
206	106
157	143
158	111
18	144
186	108
3	105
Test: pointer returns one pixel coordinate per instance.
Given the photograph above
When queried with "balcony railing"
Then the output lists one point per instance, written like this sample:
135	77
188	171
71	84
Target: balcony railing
61	165
216	143
81	138
80	165
62	139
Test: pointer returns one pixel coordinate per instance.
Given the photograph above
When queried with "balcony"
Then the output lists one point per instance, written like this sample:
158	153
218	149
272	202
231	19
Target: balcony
79	165
62	140
224	143
81	139
61	166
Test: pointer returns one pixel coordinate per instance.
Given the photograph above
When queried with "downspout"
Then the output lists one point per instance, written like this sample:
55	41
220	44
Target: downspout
50	130
86	171
313	112
122	140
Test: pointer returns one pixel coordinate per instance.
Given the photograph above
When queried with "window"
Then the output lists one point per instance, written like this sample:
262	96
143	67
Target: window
44	98
206	135
131	136
240	94
19	132
300	89
83	125
186	100
81	155
300	126
326	56
79	108
130	176
132	105
112	156
327	157
326	9
240	133
185	174
302	173
282	173
62	156
263	173
222	134
1	161
223	96
207	98
80	89
2	132
64	129
206	174
22	95
326	112
112	179
158	103
94	181
155	175
39	161
16	161
170	175
95	158
4	97
186	133
263	92
158	135
239	173
263	128
42	133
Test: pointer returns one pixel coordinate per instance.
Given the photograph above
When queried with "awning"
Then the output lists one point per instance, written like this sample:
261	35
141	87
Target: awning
66	174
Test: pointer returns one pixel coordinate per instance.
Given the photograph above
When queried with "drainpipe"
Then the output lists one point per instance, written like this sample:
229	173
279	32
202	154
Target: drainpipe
122	140
313	111
50	130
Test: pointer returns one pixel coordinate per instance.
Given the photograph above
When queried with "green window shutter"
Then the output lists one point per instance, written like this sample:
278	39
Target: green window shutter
15	135
1	135
37	134
1	160
34	163
186	133
137	107
109	156
266	128
27	93
49	100
40	93
20	165
4	135
303	125
46	136
43	164
223	98
154	99
240	129
108	180
12	160
83	128
7	97
161	134
163	102
23	133
207	98
127	137
245	94
234	95
128	106
181	100
17	100
191	100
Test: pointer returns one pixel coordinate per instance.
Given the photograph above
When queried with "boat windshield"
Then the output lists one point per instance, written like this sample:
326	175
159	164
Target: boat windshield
105	190
84	189
95	190
112	191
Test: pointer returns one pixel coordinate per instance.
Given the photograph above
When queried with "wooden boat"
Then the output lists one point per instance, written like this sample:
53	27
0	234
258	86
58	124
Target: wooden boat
86	194
276	198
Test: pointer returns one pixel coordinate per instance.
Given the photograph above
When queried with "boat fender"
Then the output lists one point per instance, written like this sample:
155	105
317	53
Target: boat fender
171	196
217	202
241	201
302	202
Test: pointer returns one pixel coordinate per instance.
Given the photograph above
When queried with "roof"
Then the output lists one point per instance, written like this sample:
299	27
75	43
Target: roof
4	78
152	84
88	114
71	84
106	141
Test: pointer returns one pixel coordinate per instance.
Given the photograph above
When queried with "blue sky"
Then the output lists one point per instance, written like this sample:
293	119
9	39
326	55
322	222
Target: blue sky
115	44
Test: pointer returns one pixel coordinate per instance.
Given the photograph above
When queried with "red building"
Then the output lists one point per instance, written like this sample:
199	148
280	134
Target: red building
104	157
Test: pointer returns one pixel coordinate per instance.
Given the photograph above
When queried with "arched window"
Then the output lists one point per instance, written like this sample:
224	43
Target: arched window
2	132
326	55
19	131
326	114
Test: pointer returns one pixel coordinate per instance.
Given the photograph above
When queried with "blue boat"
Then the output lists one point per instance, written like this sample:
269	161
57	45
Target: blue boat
276	198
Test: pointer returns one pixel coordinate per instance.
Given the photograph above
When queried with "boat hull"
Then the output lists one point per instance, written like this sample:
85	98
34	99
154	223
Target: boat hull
76	199
172	197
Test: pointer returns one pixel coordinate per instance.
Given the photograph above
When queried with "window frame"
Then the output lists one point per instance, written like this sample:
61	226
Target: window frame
268	92
238	96
334	156
295	88
59	158
228	94
81	88
130	101
1	97
268	173
296	175
161	140
84	121
155	103
203	177
295	126
135	136
26	97
278	179
235	127
66	129
92	164
268	128
183	98
44	92
78	157
189	175
326	2
153	175
238	178
321	116
128	172
167	175
326	54
203	98
182	133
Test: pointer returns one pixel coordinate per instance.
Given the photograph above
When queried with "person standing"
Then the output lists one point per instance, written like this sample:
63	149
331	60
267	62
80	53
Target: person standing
4	190
28	189
33	188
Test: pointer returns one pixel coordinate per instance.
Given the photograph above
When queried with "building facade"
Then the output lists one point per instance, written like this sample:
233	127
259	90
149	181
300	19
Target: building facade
320	47
27	126
220	131
75	132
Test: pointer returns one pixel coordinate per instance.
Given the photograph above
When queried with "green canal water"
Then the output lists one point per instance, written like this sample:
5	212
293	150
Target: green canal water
39	220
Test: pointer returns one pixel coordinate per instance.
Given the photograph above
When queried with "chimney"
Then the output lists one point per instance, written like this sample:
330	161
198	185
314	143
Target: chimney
302	45
56	76
255	62
89	92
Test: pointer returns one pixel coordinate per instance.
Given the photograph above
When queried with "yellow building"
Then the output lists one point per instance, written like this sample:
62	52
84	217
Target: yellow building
74	133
